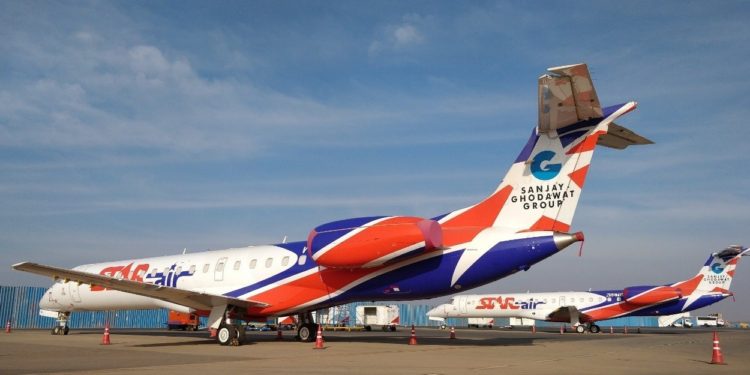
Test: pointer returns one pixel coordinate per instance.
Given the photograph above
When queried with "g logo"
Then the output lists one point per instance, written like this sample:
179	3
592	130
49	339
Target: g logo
542	169
717	268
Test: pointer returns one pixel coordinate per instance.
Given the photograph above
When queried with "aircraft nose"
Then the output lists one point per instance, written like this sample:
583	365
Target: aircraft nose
49	300
437	312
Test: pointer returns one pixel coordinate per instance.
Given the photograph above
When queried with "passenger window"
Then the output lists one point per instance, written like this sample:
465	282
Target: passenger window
237	265
220	266
253	263
591	299
269	262
206	267
285	261
192	269
302	259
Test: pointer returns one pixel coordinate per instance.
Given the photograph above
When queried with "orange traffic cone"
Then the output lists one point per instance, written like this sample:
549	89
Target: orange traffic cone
212	332
319	343
413	338
7	326
453	333
105	338
278	333
717	358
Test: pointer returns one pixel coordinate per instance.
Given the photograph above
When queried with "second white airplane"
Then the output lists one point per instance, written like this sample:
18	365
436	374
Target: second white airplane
584	309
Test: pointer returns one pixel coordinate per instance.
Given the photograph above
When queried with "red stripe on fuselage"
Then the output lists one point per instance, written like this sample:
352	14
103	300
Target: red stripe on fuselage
466	225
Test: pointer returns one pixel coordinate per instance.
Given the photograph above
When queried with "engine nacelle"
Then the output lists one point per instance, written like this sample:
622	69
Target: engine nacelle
372	241
649	294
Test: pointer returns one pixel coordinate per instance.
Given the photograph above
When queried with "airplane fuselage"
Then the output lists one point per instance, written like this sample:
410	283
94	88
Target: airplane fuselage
286	278
593	305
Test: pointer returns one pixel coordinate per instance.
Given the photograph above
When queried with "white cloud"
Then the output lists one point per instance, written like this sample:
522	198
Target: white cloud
400	37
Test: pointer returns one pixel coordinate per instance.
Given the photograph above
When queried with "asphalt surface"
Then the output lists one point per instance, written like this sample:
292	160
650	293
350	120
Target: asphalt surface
474	351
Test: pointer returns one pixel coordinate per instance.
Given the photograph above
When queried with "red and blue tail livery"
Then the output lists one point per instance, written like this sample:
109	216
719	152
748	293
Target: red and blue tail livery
584	309
525	220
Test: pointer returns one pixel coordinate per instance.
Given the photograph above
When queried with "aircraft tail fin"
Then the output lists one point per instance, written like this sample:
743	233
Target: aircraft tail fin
541	189
716	275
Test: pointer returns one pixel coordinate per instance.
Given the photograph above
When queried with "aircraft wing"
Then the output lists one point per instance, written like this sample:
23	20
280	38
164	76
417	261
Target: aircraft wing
565	314
184	297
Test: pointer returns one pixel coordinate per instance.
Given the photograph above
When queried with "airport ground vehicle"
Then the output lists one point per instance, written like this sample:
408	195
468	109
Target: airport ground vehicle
481	322
710	320
387	317
183	321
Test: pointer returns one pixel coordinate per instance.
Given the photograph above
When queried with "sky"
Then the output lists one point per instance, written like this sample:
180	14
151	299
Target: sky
139	128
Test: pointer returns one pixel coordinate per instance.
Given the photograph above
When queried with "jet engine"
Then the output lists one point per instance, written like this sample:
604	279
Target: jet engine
372	241
649	294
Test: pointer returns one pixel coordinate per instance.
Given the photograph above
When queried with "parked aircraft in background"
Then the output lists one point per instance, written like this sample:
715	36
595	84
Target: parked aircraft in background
584	309
525	220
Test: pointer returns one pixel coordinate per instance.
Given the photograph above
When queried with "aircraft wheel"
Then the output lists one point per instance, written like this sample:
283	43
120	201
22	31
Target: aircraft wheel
224	336
580	328
306	333
595	328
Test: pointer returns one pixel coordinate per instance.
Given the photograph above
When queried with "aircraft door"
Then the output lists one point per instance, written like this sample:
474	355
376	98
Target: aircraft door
219	271
75	295
462	301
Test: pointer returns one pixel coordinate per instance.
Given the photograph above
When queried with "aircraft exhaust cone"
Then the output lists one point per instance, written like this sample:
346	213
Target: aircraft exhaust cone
563	240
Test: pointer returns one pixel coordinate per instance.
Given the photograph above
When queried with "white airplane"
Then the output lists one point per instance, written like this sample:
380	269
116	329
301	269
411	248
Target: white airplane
525	220
583	309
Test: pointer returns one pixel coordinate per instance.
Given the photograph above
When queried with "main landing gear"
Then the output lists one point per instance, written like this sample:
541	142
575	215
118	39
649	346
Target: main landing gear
306	327
230	334
61	326
230	331
593	328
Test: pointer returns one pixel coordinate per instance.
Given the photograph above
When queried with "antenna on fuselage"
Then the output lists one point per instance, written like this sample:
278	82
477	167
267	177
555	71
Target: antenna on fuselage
184	251
284	240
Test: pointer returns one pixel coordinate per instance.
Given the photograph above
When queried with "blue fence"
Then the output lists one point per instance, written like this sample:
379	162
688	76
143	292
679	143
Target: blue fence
20	306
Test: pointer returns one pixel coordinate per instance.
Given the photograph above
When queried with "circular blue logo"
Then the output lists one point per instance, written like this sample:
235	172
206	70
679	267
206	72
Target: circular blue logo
541	167
717	268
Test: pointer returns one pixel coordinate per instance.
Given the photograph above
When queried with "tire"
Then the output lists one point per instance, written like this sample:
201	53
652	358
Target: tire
595	328
368	328
392	328
580	328
65	330
305	333
224	335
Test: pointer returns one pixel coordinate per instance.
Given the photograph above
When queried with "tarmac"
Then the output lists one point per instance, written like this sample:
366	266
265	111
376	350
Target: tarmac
474	351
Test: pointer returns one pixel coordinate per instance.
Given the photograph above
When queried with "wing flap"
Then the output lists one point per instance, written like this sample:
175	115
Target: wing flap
184	297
